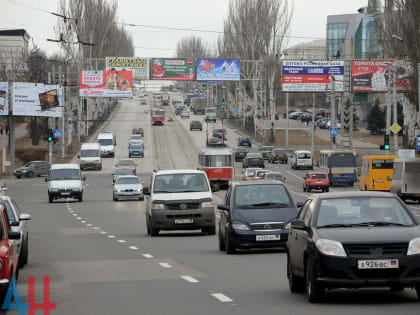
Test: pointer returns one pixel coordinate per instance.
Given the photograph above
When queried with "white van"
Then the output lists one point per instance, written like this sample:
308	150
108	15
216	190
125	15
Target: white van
90	156
65	181
179	200
302	159
210	114
107	142
405	179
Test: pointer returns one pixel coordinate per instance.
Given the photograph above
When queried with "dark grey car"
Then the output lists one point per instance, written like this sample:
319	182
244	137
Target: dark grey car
32	169
197	125
278	155
253	160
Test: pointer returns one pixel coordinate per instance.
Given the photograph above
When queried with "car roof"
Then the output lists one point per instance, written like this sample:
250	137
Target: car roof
317	173
274	173
264	182
354	194
65	165
128	176
253	169
125	160
186	171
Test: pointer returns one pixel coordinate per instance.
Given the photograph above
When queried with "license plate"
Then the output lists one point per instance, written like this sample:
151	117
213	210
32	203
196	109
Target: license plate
184	221
268	237
319	182
378	264
65	194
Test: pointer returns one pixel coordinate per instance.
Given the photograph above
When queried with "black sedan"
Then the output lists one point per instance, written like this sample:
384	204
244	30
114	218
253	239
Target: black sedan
240	153
253	160
353	240
255	215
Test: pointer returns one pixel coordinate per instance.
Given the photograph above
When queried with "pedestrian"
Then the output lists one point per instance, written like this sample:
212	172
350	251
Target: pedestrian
7	129
1	129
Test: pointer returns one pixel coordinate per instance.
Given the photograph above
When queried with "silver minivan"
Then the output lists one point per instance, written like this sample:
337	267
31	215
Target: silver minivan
405	179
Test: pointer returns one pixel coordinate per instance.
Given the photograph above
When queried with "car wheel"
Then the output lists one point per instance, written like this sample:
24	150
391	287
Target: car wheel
229	247
141	198
80	198
50	199
327	189
30	175
304	188
222	245
18	177
295	283
210	230
23	256
114	198
153	231
314	292
418	291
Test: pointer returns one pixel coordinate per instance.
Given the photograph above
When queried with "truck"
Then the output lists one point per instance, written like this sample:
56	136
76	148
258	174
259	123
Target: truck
198	105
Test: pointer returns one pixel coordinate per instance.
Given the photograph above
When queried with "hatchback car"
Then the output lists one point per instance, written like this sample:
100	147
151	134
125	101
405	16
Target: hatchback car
275	176
260	174
185	114
240	153
253	159
128	187
32	169
266	151
250	173
353	240
128	164
245	142
255	215
138	131
219	132
136	150
316	180
196	125
278	155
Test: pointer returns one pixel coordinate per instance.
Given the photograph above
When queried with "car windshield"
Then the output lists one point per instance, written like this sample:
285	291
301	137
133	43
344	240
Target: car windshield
10	212
241	150
261	173
123	171
89	153
65	174
28	164
262	196
318	176
105	141
276	151
274	176
210	111
254	155
128	181
136	137
218	161
180	183
245	139
136	147
126	163
251	171
362	211
304	155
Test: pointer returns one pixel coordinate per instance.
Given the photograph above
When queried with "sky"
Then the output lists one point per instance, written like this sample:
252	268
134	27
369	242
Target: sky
309	20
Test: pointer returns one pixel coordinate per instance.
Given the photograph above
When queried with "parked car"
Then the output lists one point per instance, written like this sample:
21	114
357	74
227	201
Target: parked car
185	114
18	222
266	150
138	131
337	124
127	187
32	169
135	150
219	132
275	176
119	172
126	163
255	215
295	115
306	117
253	159
353	240
278	155
316	180
240	153
250	173
324	123
245	141
196	125
179	110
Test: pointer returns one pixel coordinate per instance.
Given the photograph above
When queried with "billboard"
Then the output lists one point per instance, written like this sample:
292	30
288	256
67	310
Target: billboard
37	99
209	69
138	66
312	76
4	98
105	83
172	69
375	75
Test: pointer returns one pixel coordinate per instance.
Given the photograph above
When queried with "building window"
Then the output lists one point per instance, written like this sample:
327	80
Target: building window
366	41
336	33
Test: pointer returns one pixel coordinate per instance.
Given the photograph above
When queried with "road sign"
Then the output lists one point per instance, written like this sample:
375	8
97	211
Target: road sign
395	128
57	133
333	131
346	118
235	111
418	143
408	154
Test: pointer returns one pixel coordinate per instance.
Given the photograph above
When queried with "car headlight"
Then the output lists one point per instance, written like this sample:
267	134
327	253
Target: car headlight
330	248
236	225
414	247
158	206
139	190
288	226
24	171
207	204
54	190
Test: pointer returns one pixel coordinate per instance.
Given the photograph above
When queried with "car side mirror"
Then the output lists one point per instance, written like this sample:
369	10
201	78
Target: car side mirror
14	223
299	204
298	225
25	217
146	191
84	178
14	235
223	208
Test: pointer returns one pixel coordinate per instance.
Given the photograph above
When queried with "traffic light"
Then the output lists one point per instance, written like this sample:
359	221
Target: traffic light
204	87
223	101
386	145
50	135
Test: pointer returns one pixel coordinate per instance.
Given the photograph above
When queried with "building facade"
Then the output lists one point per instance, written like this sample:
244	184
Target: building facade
14	50
314	50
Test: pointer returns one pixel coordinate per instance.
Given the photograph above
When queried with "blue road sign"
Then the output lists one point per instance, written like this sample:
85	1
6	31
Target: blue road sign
418	143
235	111
333	131
57	133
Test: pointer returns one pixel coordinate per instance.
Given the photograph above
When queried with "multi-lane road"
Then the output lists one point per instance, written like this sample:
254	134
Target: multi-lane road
100	259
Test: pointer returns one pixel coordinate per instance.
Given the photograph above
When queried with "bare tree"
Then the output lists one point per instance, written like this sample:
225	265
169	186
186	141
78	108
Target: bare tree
192	47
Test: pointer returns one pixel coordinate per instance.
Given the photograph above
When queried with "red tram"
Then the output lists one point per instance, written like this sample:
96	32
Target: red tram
218	164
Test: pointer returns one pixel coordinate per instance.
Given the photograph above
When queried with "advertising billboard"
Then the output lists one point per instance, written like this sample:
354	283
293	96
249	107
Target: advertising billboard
376	75
312	76
172	69
4	98
105	83
138	66
209	69
37	99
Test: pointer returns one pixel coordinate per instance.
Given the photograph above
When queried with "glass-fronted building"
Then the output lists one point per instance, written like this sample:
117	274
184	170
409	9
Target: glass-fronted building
336	34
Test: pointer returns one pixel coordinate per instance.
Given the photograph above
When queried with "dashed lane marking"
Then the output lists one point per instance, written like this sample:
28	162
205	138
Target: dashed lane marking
89	225
95	228
190	279
121	241
111	236
84	222
103	232
133	247
165	265
79	218
147	255
222	298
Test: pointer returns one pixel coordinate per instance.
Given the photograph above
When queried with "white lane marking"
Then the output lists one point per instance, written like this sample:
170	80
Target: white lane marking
293	174
83	222
103	232
95	228
147	255
79	218
121	241
190	279
111	236
71	211
133	247
89	225
165	265
221	297
74	214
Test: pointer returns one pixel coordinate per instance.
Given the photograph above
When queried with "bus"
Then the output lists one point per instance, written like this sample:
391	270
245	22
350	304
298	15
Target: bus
341	166
376	172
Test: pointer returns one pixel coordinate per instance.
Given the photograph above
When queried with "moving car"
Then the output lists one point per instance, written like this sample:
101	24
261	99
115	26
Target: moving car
179	110
32	169
295	115
136	139
210	114
253	159
219	133
353	240
196	125
250	173
138	131
119	172
135	150
260	174
316	180
127	187
143	102
65	181
240	153
255	215
405	179
90	156
278	155
185	114
128	164
266	151
275	176
302	159
324	124
244	141
107	142
179	200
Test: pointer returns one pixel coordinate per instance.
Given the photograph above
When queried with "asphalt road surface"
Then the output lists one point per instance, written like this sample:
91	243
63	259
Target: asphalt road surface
100	259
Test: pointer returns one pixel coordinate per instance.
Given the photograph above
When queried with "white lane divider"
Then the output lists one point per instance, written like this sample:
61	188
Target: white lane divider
103	232
95	228
165	265
147	255
74	214
190	279
79	218
111	236
89	225
222	298
121	241
84	222
133	247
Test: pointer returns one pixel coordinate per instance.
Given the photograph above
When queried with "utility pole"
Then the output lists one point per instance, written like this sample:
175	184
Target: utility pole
63	99
394	94
313	125
388	113
332	111
287	119
11	127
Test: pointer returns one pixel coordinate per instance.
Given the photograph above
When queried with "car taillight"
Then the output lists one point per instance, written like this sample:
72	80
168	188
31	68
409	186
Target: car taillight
255	177
283	179
274	155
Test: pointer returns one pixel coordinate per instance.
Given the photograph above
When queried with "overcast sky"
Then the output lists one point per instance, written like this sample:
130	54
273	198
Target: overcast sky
309	20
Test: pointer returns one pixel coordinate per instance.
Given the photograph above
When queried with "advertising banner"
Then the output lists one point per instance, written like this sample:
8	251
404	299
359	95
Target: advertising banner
376	75
105	83
312	76
172	69
37	99
218	69
4	98
138	66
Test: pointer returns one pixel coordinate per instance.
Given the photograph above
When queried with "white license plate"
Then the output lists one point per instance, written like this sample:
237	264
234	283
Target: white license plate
65	194
268	237
184	221
378	264
319	182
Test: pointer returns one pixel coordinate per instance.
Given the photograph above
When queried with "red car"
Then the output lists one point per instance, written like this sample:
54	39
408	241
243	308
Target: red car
316	180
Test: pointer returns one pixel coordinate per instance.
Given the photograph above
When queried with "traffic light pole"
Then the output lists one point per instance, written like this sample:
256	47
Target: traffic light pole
394	96
49	143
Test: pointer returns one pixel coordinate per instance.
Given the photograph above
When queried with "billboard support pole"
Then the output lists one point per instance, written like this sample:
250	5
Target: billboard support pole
332	111
287	118
49	144
341	103
11	130
313	125
394	94
388	113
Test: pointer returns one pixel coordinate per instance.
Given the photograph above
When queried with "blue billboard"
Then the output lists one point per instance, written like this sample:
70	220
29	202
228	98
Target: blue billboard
218	69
